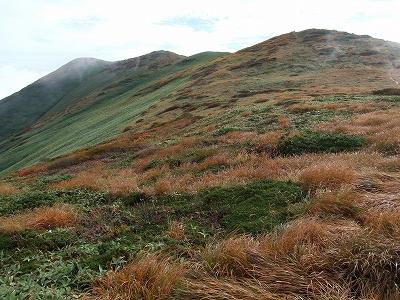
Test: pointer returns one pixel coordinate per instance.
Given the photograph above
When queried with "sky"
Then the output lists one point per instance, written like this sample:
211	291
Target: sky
38	36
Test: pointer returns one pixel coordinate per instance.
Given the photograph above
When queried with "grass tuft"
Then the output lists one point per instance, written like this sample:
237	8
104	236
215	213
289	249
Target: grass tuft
149	278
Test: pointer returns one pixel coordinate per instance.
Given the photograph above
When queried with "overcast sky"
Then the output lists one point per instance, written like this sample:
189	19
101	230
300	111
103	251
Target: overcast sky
38	36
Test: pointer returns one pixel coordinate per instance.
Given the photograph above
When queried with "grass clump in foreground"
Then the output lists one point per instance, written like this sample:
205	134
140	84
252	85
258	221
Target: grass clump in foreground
317	142
308	259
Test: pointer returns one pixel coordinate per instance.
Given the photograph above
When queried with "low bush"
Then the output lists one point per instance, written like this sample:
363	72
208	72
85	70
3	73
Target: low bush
254	207
38	240
135	198
25	201
317	142
30	200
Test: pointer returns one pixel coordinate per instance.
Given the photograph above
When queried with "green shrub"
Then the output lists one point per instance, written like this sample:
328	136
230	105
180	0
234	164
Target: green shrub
135	198
254	207
24	201
34	240
30	200
316	142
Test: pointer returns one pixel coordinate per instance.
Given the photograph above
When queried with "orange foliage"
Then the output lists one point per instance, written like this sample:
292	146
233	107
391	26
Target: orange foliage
119	182
176	230
150	278
329	176
7	189
342	203
32	170
59	215
284	122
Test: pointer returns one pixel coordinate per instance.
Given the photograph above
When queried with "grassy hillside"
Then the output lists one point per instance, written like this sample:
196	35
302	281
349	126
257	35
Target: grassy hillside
91	121
68	85
219	177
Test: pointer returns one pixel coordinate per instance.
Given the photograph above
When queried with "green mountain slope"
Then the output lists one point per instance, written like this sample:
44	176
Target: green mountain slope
109	100
68	85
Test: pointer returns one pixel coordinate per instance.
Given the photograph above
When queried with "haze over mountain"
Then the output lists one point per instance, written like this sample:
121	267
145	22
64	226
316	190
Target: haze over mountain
88	101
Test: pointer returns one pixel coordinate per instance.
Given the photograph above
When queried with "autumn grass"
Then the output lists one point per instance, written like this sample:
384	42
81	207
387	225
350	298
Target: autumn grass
7	189
341	203
326	176
147	278
176	230
309	259
59	215
119	183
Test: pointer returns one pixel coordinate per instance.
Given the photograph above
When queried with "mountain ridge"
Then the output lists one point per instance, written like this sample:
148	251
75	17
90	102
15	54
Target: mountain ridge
296	64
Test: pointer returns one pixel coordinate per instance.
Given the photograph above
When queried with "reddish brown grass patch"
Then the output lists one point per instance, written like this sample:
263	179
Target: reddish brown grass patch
7	189
117	182
176	230
329	176
59	215
32	170
150	278
342	203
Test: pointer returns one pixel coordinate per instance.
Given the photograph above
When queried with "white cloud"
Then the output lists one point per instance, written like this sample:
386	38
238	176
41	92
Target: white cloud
12	79
39	35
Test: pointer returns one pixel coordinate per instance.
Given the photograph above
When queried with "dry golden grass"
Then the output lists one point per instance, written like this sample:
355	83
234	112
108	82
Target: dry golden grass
381	129
219	159
150	278
120	182
383	222
238	137
59	215
303	235
326	176
268	142
230	256
163	186
303	107
309	259
7	189
330	171
176	230
342	203
284	122
211	287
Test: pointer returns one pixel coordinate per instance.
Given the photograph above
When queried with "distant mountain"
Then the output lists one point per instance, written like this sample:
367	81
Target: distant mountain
69	84
89	101
85	102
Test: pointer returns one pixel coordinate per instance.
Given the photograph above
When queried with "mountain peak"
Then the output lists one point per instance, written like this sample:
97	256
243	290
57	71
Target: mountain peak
152	60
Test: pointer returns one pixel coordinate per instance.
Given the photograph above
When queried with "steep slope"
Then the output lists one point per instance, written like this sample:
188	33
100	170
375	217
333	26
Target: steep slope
68	85
24	108
99	110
